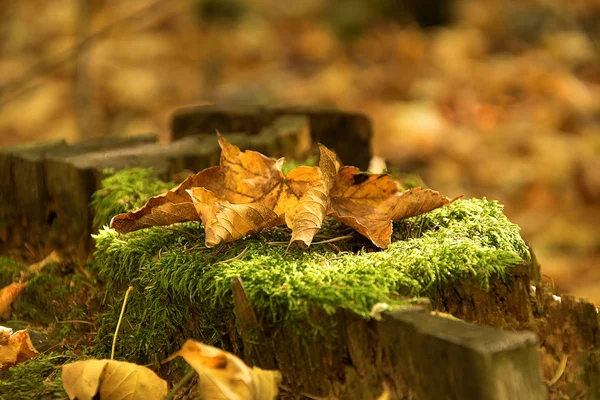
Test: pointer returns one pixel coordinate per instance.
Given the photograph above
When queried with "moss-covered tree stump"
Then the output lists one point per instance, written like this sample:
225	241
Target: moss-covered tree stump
314	314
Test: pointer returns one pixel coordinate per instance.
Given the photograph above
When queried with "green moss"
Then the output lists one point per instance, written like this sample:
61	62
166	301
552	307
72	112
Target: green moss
43	298
57	295
9	268
123	191
38	378
183	288
291	164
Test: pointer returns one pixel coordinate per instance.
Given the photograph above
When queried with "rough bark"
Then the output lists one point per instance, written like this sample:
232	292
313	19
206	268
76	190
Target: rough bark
414	354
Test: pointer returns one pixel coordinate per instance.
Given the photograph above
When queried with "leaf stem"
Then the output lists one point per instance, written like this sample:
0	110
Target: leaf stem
233	258
114	343
559	371
335	239
184	381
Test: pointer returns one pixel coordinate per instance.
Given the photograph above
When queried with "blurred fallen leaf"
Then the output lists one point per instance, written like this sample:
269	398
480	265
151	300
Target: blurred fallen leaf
111	380
224	376
37	267
386	394
8	295
15	347
50	258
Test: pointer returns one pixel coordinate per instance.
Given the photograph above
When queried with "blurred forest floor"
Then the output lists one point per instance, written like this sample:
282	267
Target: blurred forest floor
503	101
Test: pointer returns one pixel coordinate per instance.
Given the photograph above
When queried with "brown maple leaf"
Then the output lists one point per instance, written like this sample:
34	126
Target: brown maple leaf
370	202
307	218
248	192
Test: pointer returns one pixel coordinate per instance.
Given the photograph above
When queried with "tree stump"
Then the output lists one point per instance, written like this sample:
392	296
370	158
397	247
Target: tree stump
511	342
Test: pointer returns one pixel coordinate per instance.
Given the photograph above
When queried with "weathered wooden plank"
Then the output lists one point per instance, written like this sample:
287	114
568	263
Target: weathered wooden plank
287	136
70	188
415	354
22	190
441	358
342	131
196	120
349	134
563	324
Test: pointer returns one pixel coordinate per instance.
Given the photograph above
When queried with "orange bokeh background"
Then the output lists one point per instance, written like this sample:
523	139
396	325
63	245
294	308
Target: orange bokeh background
498	98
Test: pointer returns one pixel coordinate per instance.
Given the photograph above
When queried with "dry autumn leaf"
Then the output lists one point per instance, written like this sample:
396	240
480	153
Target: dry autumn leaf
307	218
248	192
8	295
224	376
111	380
370	202
15	347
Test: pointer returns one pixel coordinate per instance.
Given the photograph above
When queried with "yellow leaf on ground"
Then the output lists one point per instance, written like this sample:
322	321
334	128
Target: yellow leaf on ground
112	380
223	376
15	347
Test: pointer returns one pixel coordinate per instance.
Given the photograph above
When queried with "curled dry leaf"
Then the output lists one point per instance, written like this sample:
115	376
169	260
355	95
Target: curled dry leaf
15	347
224	376
8	295
248	192
226	222
307	218
166	209
370	202
111	380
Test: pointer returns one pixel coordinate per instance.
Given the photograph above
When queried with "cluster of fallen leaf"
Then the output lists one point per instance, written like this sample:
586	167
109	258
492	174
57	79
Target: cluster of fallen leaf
221	376
248	192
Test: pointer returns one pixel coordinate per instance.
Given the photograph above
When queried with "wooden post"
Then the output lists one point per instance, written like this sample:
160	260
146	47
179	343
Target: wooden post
442	358
410	351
